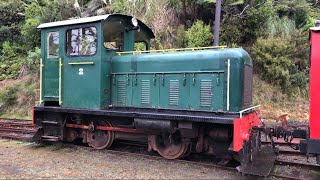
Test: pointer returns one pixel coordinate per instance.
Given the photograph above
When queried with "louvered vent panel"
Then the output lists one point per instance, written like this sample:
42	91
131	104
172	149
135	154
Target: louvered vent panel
174	92
122	91
247	88
205	93
145	91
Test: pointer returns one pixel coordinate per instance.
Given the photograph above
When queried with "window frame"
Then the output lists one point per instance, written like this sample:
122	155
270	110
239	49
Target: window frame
123	40
48	56
80	27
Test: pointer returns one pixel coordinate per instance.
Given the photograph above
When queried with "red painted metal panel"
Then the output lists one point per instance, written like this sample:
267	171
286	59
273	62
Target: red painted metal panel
242	129
315	85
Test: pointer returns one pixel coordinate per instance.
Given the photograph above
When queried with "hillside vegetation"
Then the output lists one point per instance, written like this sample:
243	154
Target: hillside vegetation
274	32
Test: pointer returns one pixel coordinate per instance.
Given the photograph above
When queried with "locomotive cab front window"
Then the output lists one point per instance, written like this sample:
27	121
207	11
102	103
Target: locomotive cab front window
81	41
53	44
114	35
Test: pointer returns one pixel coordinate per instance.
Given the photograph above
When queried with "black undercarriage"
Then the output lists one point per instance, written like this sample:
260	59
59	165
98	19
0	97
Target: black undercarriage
172	133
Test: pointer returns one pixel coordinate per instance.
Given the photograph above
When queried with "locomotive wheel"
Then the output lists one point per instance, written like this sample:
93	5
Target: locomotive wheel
170	146
187	151
99	139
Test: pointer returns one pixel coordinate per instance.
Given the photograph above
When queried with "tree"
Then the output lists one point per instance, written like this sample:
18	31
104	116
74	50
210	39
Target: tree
11	21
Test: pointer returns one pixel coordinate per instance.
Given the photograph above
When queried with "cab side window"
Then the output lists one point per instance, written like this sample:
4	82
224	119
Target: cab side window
81	41
113	35
53	44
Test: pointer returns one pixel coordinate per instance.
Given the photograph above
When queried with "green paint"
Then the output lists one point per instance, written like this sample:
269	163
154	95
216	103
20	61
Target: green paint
194	80
201	77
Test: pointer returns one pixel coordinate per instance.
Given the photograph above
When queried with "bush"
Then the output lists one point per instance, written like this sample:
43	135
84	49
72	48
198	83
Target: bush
277	62
19	97
11	63
33	60
8	97
31	33
199	35
180	41
256	20
229	34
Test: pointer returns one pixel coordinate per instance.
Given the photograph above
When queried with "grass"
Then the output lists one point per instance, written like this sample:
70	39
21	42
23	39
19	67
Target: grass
11	116
17	97
274	103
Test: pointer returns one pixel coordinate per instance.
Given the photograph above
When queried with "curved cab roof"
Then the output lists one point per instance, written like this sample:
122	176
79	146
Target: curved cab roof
92	19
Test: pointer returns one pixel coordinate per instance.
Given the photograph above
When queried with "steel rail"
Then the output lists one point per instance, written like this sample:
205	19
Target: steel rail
291	163
157	157
20	130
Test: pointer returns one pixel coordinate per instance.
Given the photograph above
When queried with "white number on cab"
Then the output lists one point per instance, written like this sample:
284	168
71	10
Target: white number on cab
80	71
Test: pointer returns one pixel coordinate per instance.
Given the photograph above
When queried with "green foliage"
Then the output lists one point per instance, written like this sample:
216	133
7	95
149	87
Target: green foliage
8	97
180	41
226	2
33	60
140	46
19	98
229	34
272	60
278	27
30	32
198	35
118	6
10	64
278	62
255	21
11	21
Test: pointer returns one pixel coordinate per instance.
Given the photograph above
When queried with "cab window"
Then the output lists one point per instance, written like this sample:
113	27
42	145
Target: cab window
81	41
113	35
53	44
141	41
140	46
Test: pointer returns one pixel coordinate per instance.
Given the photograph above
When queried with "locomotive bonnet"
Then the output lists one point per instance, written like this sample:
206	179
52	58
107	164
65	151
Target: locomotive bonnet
96	87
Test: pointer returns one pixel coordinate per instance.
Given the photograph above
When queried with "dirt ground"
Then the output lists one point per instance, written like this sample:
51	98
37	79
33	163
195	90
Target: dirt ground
21	160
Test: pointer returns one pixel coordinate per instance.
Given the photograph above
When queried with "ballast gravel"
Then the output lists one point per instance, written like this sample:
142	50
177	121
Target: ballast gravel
21	160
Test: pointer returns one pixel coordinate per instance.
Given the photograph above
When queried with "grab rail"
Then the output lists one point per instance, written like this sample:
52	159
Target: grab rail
60	81
171	50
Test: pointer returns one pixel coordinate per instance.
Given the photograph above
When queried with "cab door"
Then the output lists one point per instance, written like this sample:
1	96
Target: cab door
50	65
81	78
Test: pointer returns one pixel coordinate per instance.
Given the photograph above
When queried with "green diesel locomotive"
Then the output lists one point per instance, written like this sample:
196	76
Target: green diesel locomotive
97	88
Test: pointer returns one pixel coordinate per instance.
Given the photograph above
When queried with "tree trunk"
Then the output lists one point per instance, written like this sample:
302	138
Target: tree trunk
184	9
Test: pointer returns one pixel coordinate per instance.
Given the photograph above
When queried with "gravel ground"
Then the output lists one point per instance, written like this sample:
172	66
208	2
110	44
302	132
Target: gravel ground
21	160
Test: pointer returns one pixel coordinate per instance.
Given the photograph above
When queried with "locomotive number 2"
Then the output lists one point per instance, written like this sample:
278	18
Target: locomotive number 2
80	71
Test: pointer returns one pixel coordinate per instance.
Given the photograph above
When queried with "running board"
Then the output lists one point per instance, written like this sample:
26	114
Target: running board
262	163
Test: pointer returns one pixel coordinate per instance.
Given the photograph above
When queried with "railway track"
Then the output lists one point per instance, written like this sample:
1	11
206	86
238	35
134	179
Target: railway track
16	129
23	131
191	160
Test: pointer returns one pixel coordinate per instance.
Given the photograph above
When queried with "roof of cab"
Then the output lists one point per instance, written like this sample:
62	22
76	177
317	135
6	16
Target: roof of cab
73	21
91	19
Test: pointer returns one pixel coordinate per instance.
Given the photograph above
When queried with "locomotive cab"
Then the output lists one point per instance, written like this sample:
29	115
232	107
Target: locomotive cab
76	51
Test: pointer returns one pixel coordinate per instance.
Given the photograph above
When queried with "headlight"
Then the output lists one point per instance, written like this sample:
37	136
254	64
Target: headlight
134	22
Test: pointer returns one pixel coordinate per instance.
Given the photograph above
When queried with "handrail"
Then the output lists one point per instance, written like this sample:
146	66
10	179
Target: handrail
80	63
41	65
60	81
171	50
250	108
228	86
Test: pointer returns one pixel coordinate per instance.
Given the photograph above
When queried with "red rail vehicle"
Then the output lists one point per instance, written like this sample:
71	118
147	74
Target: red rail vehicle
310	143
